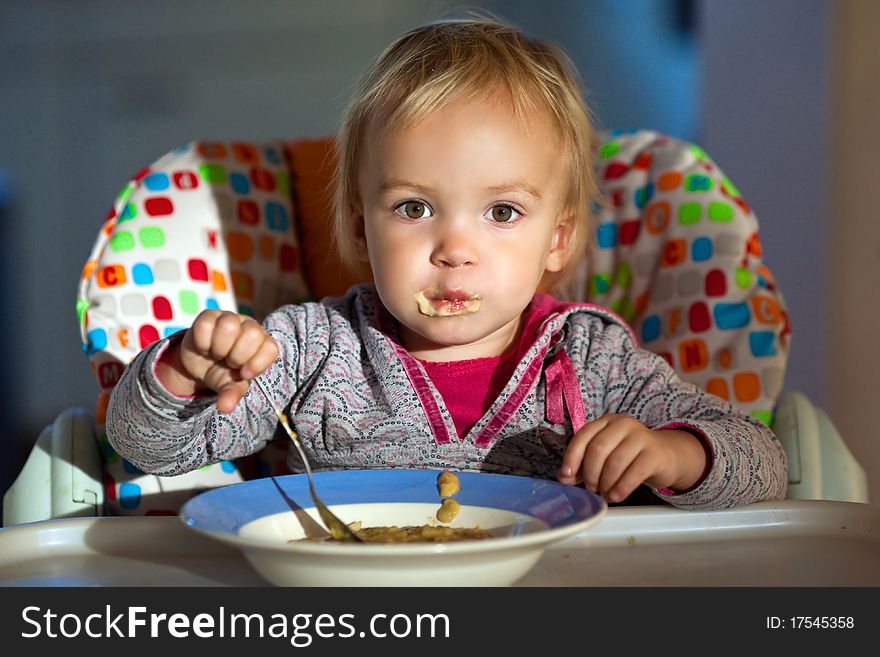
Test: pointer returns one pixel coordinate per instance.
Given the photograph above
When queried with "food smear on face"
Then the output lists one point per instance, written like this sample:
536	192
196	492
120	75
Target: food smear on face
446	303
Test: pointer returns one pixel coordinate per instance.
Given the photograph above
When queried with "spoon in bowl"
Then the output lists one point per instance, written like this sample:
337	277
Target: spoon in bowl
338	529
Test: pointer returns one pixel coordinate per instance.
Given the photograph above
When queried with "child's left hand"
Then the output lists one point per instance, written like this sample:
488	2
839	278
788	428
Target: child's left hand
614	454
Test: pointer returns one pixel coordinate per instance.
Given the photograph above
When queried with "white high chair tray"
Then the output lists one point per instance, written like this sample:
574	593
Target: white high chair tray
788	543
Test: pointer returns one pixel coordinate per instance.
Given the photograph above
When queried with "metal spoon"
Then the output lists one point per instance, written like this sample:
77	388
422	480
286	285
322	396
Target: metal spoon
338	529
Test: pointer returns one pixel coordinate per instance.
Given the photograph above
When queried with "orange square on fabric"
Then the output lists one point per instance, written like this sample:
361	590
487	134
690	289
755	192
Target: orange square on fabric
746	386
111	276
674	253
669	181
240	246
218	281
245	153
657	217
89	268
766	309
312	162
693	355
212	150
718	387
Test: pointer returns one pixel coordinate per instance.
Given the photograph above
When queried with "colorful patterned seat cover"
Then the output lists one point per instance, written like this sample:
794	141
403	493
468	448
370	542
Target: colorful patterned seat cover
678	255
215	225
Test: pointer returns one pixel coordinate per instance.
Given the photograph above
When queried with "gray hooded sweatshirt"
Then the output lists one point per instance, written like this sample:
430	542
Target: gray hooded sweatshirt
358	400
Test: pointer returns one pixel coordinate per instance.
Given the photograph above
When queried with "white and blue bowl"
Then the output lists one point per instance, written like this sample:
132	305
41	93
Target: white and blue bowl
264	518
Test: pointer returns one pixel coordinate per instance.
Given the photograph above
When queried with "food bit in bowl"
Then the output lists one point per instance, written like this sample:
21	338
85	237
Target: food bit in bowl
421	534
409	534
448	510
448	484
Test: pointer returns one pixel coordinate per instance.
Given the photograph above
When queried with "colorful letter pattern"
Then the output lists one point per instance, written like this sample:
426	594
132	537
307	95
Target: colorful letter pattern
209	225
678	256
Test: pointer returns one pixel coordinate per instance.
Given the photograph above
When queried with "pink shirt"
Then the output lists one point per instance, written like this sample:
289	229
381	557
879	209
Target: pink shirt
469	387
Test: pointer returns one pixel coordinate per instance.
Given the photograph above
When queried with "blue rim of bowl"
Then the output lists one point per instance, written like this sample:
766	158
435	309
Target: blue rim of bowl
222	512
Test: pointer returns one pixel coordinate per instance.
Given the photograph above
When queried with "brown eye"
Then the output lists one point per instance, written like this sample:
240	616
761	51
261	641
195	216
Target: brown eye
503	214
413	210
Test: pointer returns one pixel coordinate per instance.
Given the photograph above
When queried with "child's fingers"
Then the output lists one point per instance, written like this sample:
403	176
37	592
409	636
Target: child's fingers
260	362
202	331
638	471
250	336
229	395
599	449
617	463
227	329
570	468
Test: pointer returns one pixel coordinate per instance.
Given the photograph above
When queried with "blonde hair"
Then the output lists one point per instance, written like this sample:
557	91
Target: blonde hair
434	65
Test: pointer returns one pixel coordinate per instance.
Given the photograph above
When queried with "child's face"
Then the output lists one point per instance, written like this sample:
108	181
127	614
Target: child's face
463	214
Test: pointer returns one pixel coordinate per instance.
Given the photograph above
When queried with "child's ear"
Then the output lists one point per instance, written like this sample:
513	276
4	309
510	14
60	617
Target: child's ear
557	256
360	237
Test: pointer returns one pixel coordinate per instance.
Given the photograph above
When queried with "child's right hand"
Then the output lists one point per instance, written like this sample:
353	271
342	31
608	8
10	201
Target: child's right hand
222	351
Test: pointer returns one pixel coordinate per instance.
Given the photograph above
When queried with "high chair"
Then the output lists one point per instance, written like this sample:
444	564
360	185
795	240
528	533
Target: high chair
247	227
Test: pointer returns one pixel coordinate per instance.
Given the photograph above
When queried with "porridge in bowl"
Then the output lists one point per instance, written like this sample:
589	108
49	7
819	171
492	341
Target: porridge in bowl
447	485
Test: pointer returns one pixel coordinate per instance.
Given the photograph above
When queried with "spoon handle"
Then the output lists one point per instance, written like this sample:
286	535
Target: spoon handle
338	529
282	418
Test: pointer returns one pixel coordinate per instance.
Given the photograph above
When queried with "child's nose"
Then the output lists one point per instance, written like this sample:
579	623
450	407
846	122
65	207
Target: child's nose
456	247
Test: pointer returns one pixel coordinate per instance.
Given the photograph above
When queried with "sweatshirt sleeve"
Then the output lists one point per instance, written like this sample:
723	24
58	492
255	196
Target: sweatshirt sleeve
164	434
748	463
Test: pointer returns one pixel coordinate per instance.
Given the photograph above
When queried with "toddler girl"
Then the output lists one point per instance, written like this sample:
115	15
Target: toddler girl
465	182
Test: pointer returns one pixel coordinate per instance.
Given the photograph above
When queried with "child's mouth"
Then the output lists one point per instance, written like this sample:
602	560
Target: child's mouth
446	303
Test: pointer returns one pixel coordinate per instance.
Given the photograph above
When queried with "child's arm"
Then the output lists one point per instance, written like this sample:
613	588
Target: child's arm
164	415
649	426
